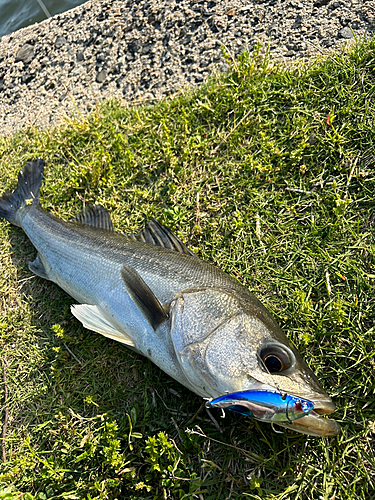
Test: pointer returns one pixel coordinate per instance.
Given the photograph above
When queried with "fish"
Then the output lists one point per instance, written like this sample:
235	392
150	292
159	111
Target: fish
151	293
266	406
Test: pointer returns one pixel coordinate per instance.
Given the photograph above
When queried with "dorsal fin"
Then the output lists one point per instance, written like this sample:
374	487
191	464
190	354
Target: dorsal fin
95	216
155	233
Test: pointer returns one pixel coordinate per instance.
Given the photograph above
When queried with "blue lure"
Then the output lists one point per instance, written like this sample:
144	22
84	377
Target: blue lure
263	405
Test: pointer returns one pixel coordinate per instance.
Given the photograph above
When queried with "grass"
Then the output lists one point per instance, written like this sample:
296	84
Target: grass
266	171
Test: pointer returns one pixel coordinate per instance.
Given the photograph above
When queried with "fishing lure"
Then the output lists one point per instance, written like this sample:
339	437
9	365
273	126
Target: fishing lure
266	406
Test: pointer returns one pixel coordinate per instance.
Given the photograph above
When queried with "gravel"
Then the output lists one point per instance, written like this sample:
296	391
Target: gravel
143	51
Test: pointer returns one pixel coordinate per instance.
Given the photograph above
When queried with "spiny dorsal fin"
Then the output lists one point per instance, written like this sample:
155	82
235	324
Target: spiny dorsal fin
95	216
143	296
155	233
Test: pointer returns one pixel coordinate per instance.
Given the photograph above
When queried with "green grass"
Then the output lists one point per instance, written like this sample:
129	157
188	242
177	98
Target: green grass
268	172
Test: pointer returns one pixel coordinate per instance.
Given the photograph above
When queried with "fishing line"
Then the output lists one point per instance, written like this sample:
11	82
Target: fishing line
283	395
44	8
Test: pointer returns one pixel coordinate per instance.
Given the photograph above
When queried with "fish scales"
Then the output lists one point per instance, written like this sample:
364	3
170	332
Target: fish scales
88	249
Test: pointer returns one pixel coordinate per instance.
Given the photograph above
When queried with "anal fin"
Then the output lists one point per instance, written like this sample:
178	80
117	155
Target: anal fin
93	318
37	268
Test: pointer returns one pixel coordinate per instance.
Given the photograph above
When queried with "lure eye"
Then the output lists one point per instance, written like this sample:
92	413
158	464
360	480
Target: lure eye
275	358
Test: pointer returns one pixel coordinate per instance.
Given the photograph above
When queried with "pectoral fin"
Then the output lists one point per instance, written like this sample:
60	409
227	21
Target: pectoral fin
143	296
94	318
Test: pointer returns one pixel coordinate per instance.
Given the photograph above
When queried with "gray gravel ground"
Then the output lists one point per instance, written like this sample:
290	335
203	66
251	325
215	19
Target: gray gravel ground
141	51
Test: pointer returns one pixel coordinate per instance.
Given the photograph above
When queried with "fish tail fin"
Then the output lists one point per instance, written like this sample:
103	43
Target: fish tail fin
27	192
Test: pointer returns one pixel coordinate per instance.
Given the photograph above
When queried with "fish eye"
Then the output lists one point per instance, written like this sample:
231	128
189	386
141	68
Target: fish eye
276	358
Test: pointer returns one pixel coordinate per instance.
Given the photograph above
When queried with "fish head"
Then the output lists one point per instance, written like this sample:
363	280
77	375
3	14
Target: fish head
226	344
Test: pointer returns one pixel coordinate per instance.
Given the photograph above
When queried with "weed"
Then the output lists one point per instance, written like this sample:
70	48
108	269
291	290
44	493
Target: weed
266	171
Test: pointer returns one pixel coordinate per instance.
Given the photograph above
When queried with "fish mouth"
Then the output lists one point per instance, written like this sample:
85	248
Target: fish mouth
314	424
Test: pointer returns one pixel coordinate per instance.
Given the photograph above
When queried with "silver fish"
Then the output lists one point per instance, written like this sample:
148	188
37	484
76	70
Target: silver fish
151	293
